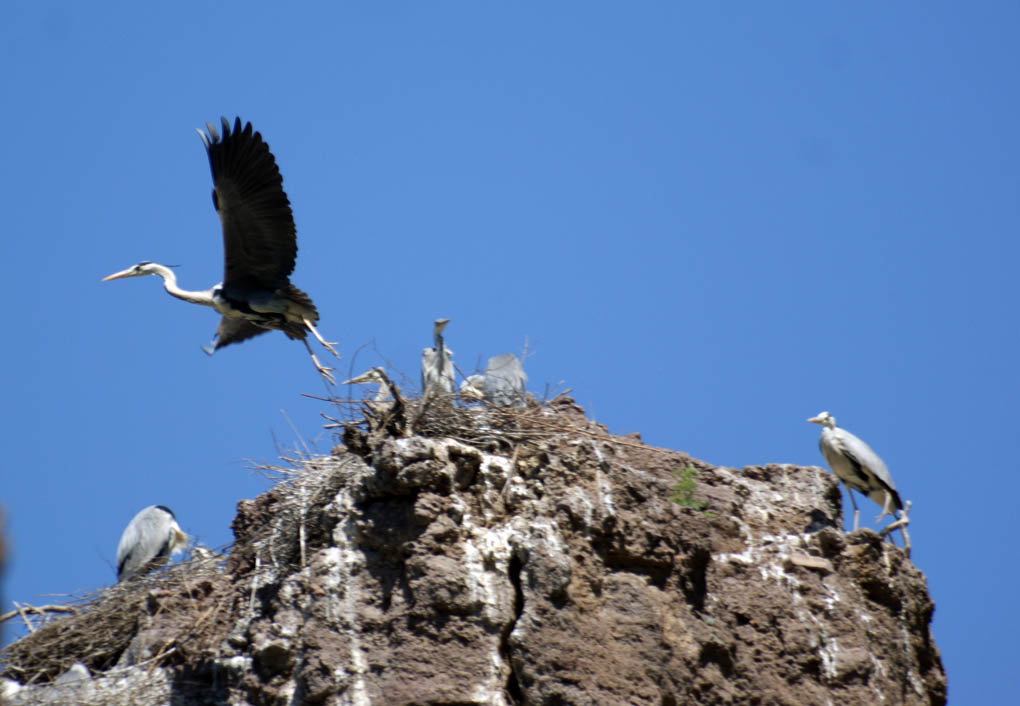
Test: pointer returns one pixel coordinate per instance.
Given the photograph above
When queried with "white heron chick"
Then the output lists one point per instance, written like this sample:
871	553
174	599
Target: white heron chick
502	384
436	363
473	388
383	398
149	540
504	380
858	467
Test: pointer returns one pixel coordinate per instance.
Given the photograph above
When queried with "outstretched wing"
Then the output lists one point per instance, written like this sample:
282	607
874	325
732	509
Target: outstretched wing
259	237
233	329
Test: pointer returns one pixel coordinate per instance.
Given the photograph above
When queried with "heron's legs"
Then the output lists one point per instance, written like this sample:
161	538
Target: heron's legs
328	346
887	508
325	372
900	524
857	513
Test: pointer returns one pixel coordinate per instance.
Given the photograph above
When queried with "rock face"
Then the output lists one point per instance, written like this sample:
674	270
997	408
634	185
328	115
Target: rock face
547	567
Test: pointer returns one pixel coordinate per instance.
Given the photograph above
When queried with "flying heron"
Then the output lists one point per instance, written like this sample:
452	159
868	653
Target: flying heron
149	540
259	247
436	365
502	384
857	466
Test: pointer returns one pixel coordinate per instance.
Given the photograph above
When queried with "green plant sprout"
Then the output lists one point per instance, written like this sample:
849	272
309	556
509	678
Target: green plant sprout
683	491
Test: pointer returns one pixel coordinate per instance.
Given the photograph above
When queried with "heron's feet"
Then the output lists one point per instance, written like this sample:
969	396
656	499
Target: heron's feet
325	372
329	347
901	524
318	337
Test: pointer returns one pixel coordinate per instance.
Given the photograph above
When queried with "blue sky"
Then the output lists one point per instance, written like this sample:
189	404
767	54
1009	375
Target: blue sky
709	223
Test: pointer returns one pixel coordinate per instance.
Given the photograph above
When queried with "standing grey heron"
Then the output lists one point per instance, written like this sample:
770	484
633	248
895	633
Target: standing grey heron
259	247
436	364
502	384
857	466
149	540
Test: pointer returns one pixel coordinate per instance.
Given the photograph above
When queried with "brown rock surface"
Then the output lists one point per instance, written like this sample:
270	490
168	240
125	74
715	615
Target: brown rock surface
536	567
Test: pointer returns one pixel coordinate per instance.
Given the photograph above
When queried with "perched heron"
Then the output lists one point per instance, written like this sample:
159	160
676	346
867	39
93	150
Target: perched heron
149	540
502	384
259	247
857	466
436	363
383	399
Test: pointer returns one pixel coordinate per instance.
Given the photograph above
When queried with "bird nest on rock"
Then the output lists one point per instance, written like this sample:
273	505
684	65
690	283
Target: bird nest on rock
481	424
183	610
484	426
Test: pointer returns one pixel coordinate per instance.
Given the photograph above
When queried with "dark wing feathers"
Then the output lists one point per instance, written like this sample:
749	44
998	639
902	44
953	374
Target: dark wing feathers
234	329
861	480
259	237
867	481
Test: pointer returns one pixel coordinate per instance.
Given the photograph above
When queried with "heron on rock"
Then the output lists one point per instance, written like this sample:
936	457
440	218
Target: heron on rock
858	467
149	540
259	247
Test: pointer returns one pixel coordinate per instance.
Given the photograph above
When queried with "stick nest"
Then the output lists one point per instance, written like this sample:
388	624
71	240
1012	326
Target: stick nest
184	608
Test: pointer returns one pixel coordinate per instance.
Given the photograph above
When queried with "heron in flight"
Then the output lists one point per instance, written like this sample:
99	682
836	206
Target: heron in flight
502	384
436	364
857	466
259	247
149	540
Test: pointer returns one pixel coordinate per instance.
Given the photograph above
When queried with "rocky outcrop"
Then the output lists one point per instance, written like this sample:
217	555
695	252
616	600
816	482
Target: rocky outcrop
535	560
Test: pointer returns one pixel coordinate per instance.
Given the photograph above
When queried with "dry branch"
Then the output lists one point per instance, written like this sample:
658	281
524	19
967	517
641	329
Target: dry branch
23	608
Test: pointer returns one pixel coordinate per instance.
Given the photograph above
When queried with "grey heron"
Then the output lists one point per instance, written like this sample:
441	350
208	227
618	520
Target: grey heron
859	468
383	399
149	540
502	384
473	388
259	247
436	363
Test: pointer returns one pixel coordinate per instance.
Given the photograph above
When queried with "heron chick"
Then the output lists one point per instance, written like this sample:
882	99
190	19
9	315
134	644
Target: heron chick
502	384
383	399
472	388
858	467
436	364
148	542
259	247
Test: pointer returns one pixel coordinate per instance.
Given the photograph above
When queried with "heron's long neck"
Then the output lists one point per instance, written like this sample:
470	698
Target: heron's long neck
170	285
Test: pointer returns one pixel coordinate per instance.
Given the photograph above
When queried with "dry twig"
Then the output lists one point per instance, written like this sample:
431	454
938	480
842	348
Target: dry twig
37	610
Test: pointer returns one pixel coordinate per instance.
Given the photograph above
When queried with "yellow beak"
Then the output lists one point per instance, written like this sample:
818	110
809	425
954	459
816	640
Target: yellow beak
117	275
